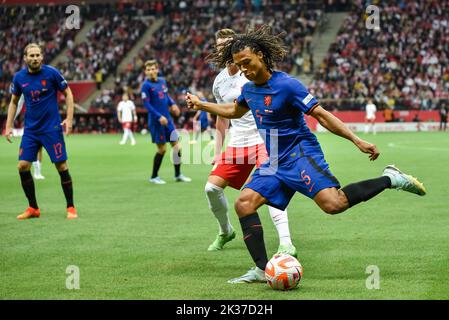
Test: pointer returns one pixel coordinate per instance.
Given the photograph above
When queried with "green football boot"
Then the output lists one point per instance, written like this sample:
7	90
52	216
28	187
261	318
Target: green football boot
220	241
287	249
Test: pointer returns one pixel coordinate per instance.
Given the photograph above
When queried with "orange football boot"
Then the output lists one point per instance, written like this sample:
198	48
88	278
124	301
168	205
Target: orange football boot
71	213
29	213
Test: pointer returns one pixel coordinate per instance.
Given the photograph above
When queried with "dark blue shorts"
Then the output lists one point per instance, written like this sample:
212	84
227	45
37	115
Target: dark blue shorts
204	124
52	141
163	134
307	175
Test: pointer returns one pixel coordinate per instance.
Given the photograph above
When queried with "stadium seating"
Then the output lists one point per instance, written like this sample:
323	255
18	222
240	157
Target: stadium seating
22	25
405	64
110	38
187	37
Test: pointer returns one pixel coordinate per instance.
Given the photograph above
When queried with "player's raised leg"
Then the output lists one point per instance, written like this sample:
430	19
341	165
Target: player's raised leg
218	204
333	200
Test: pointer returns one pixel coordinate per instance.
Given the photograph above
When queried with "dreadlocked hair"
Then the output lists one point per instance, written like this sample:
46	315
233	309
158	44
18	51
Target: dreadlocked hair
258	40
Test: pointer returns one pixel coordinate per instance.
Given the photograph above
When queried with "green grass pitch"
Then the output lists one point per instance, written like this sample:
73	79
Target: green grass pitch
135	240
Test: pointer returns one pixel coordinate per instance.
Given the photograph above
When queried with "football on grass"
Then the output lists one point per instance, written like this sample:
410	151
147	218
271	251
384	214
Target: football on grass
283	272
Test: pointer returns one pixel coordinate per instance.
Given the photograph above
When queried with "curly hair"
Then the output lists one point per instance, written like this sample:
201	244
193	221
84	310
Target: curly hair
258	40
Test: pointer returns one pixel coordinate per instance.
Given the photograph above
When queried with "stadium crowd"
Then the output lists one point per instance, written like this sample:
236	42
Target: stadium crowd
110	38
187	36
403	64
22	25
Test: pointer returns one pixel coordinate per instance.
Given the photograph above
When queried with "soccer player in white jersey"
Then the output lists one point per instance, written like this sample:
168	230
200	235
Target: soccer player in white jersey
37	165
126	113
233	167
370	116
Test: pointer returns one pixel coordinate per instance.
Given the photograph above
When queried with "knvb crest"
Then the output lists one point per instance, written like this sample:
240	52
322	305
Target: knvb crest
44	82
267	101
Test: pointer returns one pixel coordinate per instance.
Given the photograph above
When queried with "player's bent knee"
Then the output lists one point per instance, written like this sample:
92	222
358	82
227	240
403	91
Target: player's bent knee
332	207
217	181
24	166
244	207
331	201
161	148
211	188
61	166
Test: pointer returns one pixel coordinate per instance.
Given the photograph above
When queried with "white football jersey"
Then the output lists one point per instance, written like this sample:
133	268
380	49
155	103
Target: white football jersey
371	111
243	131
126	108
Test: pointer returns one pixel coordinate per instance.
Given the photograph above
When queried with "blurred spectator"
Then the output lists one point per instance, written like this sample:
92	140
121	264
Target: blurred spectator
389	115
107	43
406	61
99	78
20	25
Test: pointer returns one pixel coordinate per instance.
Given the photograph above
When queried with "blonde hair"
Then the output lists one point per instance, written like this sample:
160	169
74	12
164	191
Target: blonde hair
31	45
150	63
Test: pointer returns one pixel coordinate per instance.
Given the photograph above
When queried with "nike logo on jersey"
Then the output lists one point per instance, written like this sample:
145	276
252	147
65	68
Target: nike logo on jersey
25	85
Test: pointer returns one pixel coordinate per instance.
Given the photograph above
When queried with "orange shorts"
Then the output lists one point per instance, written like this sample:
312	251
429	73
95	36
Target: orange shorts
236	164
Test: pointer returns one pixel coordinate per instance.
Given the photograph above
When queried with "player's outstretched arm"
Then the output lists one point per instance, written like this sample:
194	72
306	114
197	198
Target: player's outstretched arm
10	118
70	108
226	110
336	126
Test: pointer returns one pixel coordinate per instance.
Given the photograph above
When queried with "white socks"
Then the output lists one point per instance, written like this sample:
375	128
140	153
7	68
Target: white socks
127	133
37	168
219	206
280	220
370	127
